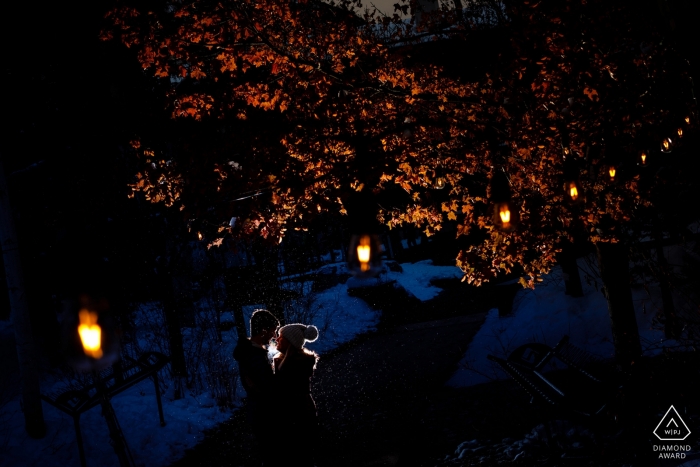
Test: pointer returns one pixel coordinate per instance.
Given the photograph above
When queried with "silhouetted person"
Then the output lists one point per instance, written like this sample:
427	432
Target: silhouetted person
295	415
257	375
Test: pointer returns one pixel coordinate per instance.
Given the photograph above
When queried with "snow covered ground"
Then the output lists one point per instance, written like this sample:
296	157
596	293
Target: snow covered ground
416	278
545	315
339	316
136	411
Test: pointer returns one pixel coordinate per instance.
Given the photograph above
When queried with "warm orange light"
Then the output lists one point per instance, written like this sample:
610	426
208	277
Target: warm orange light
439	183
505	215
612	172
199	235
680	132
644	158
90	334
666	144
573	191
687	120
364	253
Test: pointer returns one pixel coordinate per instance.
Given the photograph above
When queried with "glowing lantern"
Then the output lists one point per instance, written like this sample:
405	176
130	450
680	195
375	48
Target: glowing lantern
666	145
643	157
199	235
573	190
505	213
439	183
364	255
687	120
505	216
572	186
365	248
680	132
612	171
90	334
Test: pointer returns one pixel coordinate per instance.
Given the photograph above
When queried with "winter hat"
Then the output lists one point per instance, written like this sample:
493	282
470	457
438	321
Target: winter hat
299	334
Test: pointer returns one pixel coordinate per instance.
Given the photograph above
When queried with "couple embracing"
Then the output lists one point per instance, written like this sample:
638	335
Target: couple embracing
280	407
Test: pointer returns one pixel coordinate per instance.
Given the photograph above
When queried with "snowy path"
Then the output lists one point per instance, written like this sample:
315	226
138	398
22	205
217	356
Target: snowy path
370	396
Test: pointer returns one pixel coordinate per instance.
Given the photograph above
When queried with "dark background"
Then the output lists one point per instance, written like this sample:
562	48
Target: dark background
71	104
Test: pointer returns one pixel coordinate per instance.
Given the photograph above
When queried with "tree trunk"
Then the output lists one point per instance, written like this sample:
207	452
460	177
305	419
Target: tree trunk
173	322
389	247
672	328
238	293
19	312
614	270
572	278
172	325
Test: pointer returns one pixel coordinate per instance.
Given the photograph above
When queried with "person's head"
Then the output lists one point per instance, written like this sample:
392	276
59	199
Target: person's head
295	336
263	324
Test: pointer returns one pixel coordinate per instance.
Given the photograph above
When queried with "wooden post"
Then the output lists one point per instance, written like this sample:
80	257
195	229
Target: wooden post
19	313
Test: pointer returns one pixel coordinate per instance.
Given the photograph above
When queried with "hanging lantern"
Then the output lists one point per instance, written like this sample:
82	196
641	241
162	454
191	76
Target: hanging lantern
612	171
643	158
573	191
505	216
90	334
505	212
200	236
440	181
666	145
572	186
90	337
364	255
687	120
680	132
365	248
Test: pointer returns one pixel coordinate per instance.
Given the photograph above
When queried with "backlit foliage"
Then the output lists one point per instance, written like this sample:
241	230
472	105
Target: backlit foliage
351	108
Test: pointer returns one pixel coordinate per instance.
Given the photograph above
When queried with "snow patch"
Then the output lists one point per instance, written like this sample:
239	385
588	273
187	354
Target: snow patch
545	315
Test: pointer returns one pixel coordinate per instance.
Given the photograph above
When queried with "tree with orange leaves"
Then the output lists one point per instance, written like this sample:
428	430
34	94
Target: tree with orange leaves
328	101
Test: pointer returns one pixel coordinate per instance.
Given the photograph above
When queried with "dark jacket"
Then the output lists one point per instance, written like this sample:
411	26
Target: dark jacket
296	410
293	390
255	369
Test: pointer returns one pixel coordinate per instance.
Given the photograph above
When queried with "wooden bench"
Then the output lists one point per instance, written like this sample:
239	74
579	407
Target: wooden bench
570	385
77	398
